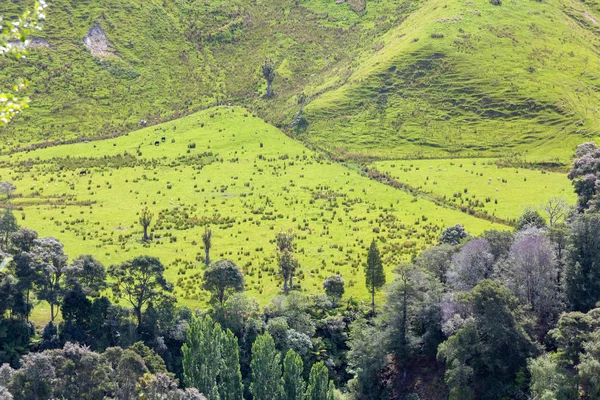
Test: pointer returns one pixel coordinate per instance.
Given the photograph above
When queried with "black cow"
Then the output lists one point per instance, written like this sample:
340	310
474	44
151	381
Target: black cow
156	143
83	172
164	139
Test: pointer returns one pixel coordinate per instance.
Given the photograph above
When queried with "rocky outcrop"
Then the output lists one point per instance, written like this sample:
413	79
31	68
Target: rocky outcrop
97	42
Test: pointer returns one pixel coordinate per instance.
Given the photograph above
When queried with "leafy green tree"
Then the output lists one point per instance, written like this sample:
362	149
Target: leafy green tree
207	240
268	72
288	263
367	359
145	221
223	277
293	383
453	235
334	287
34	380
17	31
500	242
589	368
549	380
436	260
139	281
86	274
530	218
50	262
318	382
8	225
374	274
266	369
491	348
230	379
6	189
152	361
202	356
582	269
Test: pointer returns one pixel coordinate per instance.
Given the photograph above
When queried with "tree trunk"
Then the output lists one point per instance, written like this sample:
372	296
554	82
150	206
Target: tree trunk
207	251
145	238
51	312
138	315
291	281
373	299
27	306
285	283
269	91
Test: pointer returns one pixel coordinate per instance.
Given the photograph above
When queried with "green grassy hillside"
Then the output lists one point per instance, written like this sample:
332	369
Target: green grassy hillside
168	58
385	79
471	78
229	169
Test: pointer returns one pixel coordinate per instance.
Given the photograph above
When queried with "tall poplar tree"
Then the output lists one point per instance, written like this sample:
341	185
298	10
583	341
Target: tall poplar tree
374	274
230	382
202	358
266	369
293	384
318	382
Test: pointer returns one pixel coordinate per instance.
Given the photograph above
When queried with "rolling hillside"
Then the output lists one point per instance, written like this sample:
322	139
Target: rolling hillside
384	79
228	169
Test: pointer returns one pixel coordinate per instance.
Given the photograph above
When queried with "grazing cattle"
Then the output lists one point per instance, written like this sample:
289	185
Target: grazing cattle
156	143
83	172
164	139
143	122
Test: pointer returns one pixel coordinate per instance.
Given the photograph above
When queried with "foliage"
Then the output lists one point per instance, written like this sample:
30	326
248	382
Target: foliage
293	383
13	42
266	369
202	359
582	270
453	235
222	278
318	383
374	273
491	349
139	281
334	286
530	218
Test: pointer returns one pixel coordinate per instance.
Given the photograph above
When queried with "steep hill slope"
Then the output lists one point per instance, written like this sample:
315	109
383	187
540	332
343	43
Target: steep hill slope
385	79
473	78
156	60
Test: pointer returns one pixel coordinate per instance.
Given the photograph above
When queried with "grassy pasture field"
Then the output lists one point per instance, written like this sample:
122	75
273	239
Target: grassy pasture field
482	184
229	169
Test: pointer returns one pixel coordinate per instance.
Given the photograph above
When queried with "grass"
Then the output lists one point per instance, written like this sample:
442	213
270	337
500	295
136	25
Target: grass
471	79
481	184
244	178
385	79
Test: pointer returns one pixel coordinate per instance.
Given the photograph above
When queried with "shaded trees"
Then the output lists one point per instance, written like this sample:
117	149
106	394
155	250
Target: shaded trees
334	287
139	281
490	349
582	269
145	221
268	71
8	225
223	277
207	241
266	370
374	274
293	383
285	257
49	261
